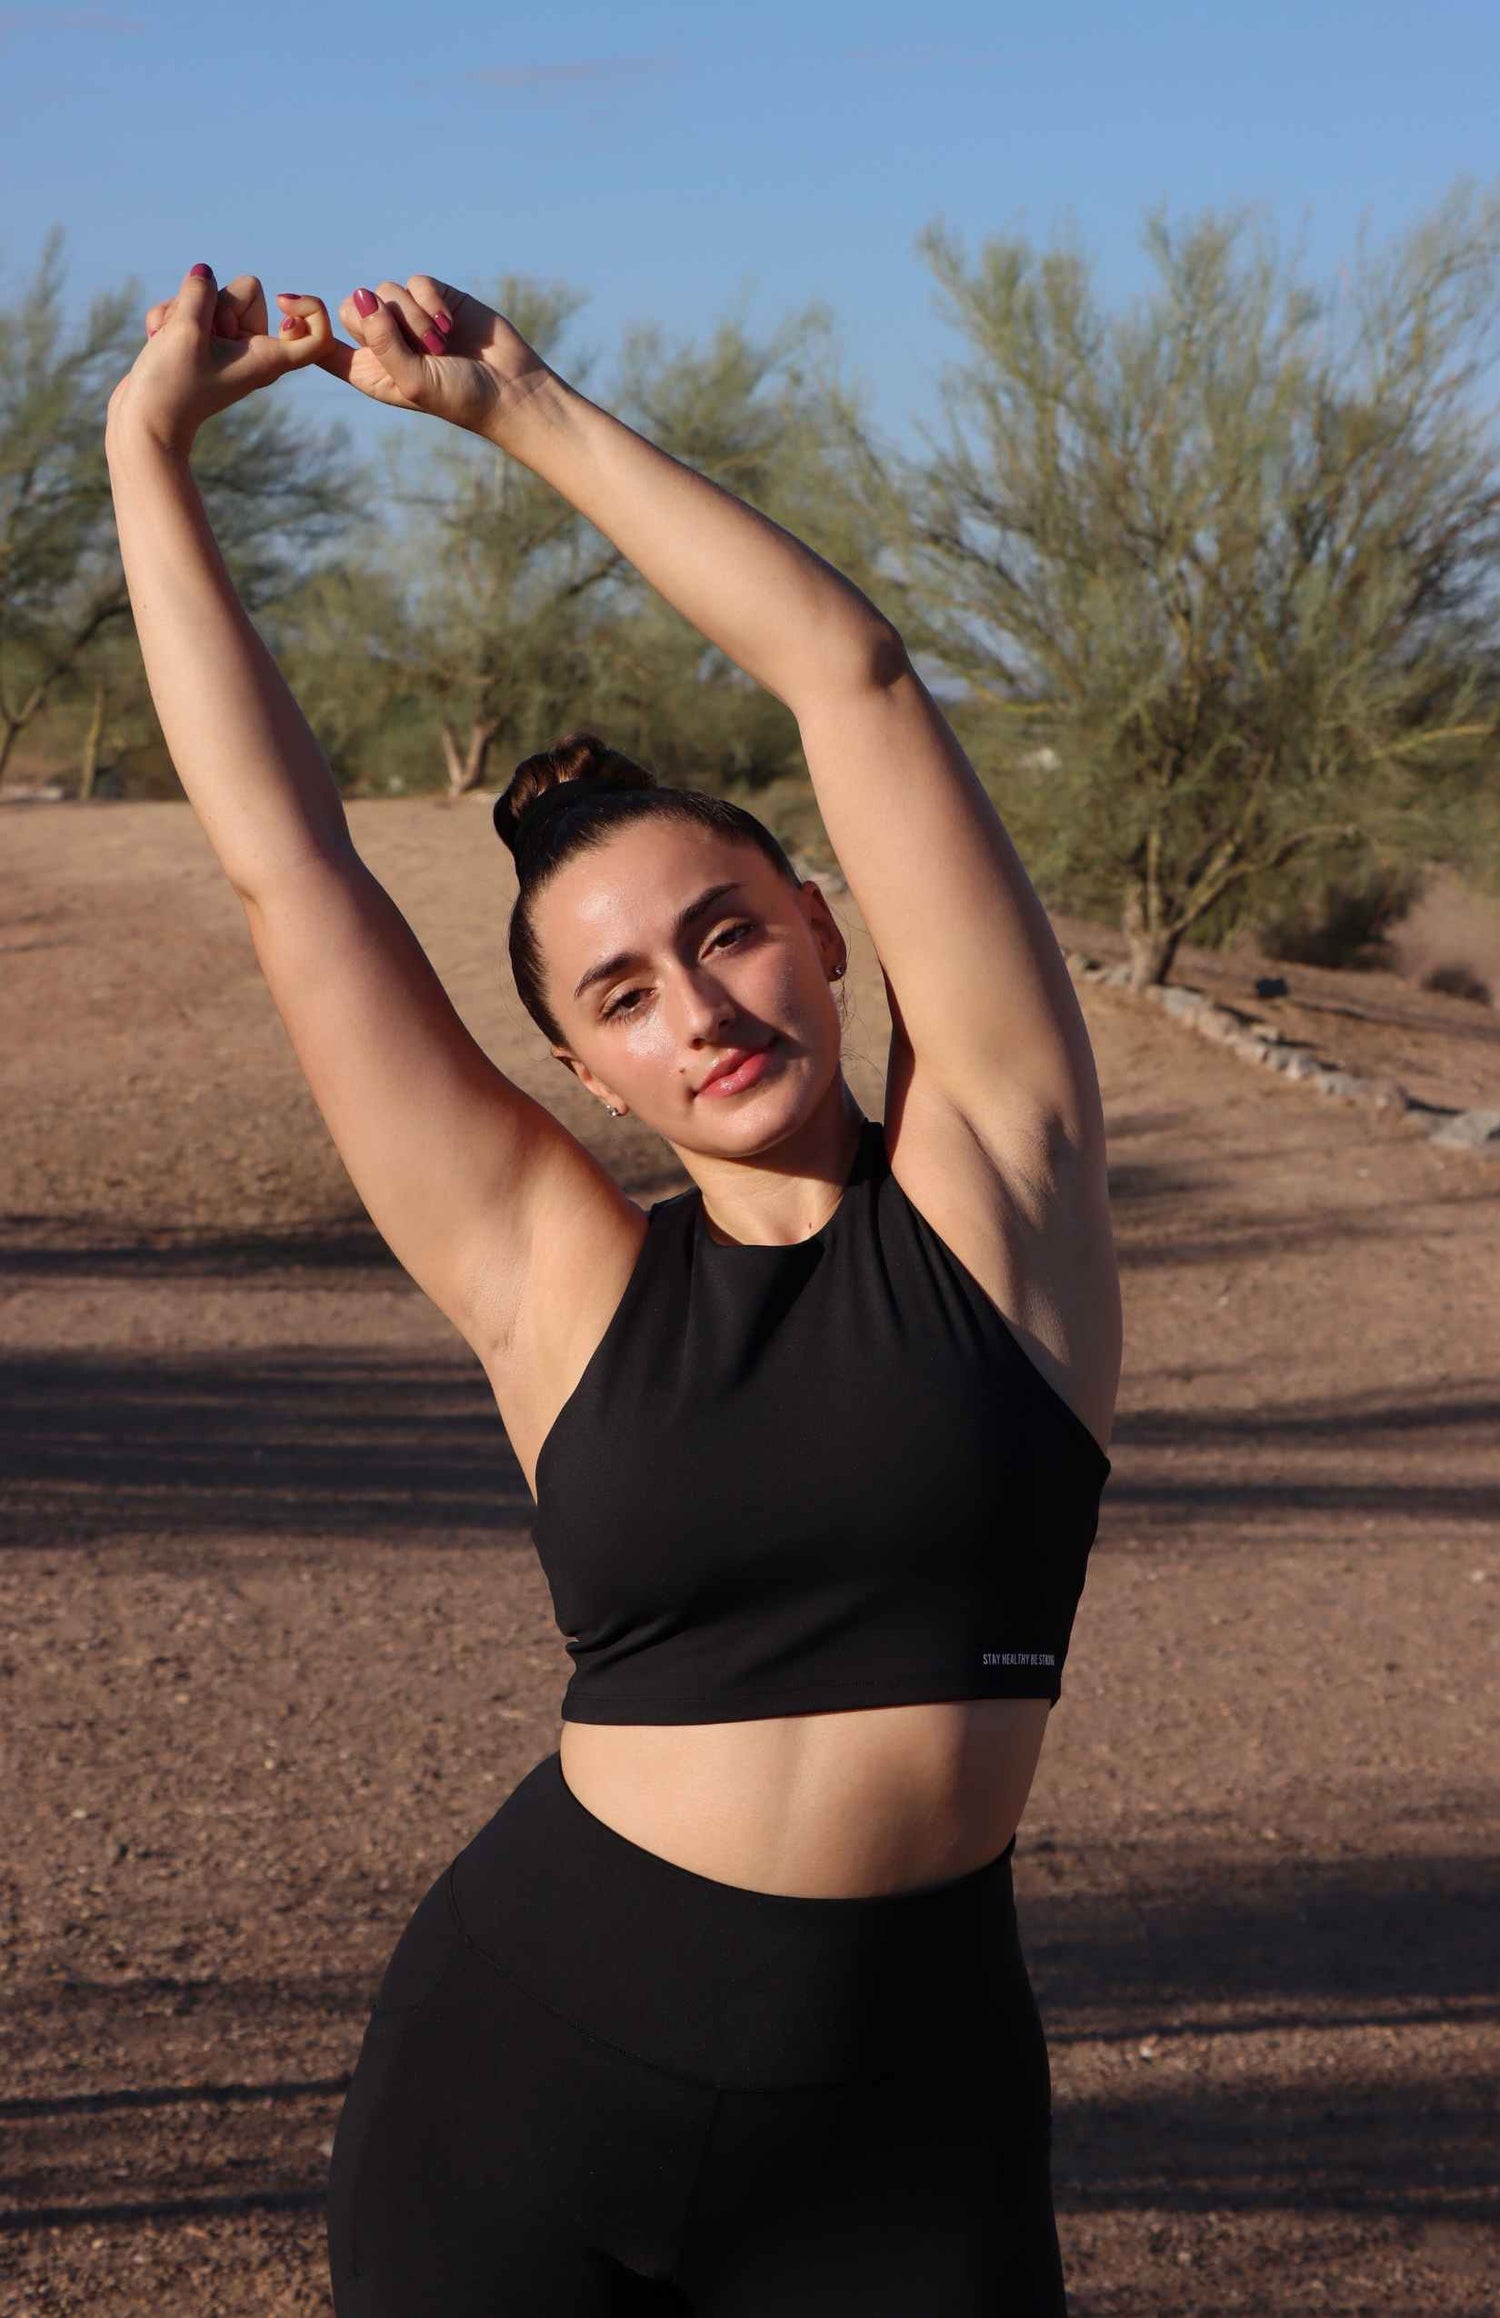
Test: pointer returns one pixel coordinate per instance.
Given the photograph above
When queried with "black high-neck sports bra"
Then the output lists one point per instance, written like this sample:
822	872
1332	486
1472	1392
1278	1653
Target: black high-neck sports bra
798	1478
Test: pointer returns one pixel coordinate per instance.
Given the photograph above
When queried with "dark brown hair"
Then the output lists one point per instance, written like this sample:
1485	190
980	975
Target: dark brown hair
611	790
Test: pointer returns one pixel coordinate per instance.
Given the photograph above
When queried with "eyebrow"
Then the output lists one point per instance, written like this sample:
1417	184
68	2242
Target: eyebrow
685	918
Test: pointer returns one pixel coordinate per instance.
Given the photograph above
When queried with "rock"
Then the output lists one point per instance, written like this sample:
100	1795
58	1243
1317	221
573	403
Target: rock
1383	1094
1179	998
1274	1049
1470	1131
1221	1023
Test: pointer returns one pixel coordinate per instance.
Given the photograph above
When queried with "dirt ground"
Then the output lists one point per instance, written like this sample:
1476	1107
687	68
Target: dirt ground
275	1642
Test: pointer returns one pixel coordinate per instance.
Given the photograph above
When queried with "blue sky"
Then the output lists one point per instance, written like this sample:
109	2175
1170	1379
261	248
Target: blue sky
678	162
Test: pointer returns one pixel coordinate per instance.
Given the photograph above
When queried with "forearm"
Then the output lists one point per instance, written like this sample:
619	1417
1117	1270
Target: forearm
789	619
250	764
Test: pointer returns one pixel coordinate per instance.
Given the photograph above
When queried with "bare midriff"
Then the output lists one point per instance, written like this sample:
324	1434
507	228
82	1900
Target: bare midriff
829	1806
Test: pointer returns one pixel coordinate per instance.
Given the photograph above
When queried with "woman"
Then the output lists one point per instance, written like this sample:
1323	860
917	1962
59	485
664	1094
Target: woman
723	2012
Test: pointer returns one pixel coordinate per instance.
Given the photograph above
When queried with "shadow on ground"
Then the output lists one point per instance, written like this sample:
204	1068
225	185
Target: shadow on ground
303	1444
316	1444
1268	1994
1206	1952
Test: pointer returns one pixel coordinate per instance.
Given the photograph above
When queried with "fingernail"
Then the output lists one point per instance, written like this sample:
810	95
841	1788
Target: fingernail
434	341
443	321
365	301
204	273
152	333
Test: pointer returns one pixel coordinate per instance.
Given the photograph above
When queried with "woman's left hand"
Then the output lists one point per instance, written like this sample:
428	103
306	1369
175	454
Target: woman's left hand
207	348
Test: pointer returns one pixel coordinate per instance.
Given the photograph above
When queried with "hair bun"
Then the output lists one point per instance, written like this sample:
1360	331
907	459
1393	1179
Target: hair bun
541	785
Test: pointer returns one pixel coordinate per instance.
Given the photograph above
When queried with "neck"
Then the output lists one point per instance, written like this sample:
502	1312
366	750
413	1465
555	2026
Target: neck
789	1190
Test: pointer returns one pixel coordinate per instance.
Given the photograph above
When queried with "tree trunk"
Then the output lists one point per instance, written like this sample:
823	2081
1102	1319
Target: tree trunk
1151	957
88	771
466	765
1153	946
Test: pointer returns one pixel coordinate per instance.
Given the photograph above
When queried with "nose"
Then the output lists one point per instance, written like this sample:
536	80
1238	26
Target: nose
704	1006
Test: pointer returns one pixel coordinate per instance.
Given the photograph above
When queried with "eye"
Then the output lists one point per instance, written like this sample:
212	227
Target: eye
622	1004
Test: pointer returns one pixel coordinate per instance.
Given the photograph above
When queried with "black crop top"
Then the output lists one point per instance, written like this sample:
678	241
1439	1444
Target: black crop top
798	1478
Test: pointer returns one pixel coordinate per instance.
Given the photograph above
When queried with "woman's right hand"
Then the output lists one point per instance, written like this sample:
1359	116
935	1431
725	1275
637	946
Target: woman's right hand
214	351
426	346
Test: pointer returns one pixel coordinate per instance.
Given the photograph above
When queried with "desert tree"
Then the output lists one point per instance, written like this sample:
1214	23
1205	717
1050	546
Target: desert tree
1216	569
769	417
277	493
495	568
530	621
349	646
59	586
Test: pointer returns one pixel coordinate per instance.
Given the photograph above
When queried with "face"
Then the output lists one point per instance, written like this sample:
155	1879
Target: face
667	948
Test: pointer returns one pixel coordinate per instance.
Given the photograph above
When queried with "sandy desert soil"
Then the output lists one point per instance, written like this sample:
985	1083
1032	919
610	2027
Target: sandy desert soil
275	1642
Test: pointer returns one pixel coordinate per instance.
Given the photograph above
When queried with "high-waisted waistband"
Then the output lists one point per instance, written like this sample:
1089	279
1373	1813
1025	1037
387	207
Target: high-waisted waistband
718	1981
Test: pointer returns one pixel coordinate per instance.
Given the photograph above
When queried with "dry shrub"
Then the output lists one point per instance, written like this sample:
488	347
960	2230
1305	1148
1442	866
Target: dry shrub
1345	920
1458	981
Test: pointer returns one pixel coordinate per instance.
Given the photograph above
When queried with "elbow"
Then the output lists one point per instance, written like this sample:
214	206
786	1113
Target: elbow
869	659
885	655
860	656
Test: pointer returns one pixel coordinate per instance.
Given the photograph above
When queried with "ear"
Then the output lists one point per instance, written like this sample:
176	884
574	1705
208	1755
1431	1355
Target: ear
832	948
585	1077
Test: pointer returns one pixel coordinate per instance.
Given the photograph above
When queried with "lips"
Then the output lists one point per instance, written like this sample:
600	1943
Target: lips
732	1062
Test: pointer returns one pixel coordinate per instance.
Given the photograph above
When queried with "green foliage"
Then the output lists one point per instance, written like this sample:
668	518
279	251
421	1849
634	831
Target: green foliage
526	622
277	494
60	584
488	617
1344	921
1212	575
1216	570
342	636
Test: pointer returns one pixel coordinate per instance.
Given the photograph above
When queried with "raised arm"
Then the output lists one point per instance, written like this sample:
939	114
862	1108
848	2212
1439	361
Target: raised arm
990	1054
442	1148
983	1004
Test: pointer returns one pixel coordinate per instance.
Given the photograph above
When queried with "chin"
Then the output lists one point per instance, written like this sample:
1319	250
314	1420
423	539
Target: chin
758	1127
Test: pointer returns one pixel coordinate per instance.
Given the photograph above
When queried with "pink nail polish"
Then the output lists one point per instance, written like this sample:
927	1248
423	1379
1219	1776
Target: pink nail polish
365	301
442	321
434	341
204	273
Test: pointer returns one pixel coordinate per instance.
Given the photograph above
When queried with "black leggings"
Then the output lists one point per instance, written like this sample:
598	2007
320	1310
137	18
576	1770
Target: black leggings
596	2082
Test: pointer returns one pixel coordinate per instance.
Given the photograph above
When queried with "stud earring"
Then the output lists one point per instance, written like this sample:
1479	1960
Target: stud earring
836	974
614	1114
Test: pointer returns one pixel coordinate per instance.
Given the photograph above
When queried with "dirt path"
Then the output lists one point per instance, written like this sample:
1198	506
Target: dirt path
275	1640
